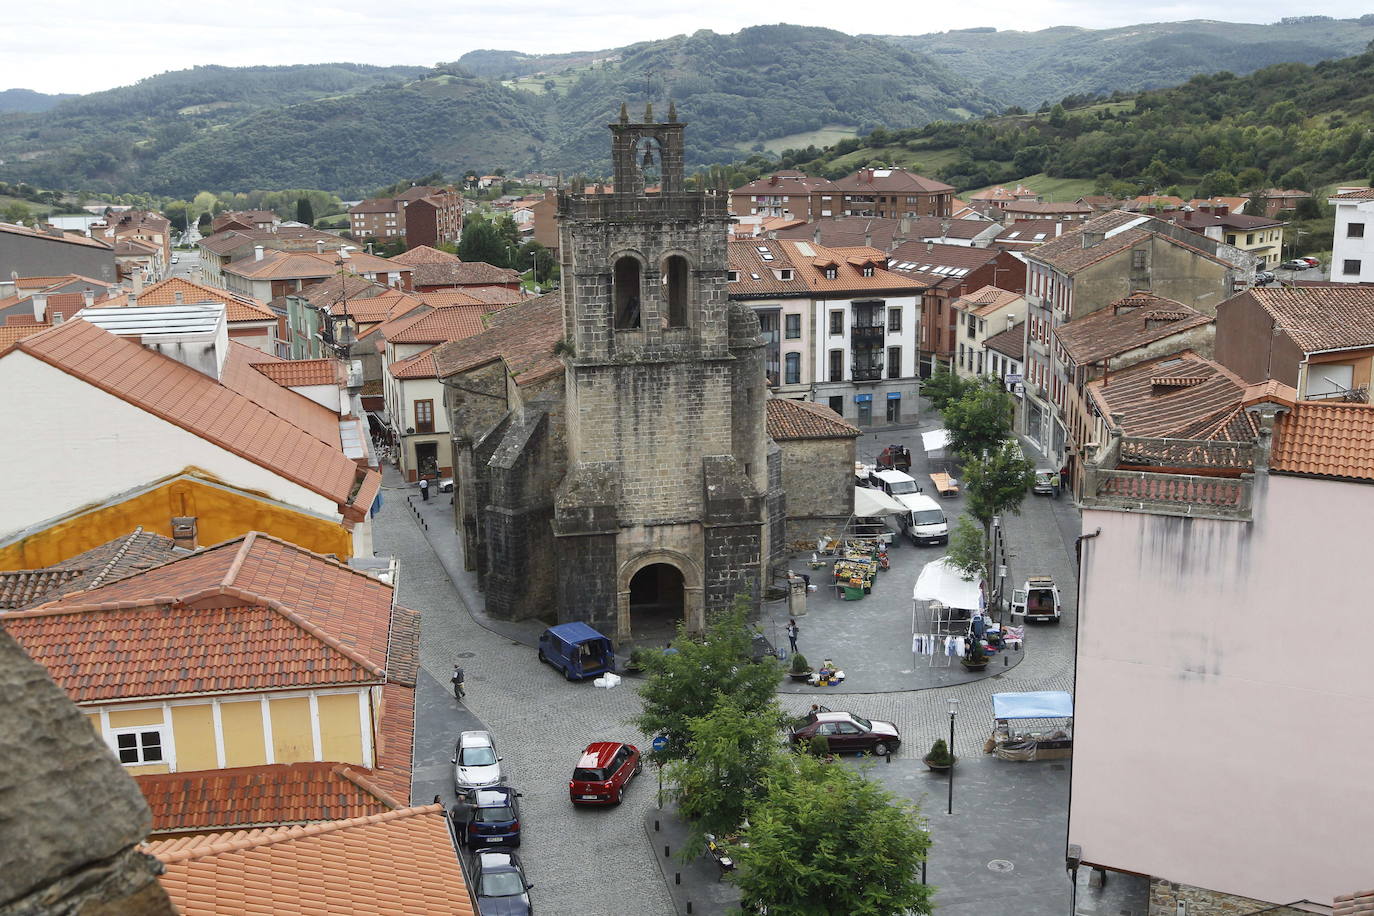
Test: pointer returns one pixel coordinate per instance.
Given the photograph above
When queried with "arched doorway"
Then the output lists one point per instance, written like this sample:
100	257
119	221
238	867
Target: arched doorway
657	602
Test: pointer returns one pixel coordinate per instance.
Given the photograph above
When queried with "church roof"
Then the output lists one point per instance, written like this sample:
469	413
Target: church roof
789	419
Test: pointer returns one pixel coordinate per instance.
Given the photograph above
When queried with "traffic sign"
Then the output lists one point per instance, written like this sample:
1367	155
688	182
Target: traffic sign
659	743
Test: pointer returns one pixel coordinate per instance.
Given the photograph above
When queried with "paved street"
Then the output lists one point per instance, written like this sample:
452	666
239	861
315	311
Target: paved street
541	722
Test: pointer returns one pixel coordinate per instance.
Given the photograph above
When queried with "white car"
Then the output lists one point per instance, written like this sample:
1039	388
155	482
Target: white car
176	260
475	762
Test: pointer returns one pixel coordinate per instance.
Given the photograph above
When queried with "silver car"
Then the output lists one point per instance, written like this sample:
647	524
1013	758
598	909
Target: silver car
475	762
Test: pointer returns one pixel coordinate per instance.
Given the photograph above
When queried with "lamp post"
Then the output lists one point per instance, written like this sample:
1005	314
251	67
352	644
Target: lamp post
953	710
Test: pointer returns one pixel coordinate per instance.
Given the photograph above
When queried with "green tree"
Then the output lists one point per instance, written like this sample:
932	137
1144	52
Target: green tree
203	224
997	483
1058	117
688	683
1294	179
980	420
204	202
968	550
15	212
729	751
827	839
943	387
481	242
305	212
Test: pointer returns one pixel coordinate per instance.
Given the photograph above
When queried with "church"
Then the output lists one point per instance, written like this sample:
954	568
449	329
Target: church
611	455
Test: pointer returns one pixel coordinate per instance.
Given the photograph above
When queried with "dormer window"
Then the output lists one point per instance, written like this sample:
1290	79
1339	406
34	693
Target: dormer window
832	273
732	276
867	270
785	274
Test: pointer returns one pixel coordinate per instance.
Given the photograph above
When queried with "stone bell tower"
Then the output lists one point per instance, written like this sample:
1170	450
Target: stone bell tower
662	513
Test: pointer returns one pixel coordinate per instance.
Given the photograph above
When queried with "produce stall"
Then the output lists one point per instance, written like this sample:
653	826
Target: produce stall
1037	725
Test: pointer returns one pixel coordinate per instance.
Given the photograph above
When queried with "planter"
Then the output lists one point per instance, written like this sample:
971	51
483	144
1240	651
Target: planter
800	675
974	665
939	767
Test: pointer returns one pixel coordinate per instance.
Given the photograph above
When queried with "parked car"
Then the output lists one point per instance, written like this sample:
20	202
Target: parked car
501	886
602	773
475	762
1263	277
1046	482
847	732
577	650
176	260
487	817
1311	261
924	521
1037	599
1295	264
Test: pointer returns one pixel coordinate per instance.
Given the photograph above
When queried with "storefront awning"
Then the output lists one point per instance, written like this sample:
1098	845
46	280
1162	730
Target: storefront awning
1036	704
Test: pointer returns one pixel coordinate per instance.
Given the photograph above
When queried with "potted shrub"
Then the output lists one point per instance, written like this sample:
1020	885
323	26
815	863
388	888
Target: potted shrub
801	668
939	757
636	661
975	659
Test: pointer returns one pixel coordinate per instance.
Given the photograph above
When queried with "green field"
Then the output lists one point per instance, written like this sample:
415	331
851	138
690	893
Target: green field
1052	189
828	135
925	161
42	210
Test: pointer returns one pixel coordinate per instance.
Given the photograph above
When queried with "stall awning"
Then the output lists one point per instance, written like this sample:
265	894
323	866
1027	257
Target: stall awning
935	440
1037	704
871	503
944	582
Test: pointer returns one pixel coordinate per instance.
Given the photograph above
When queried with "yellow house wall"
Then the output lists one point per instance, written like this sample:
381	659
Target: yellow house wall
127	718
341	736
221	515
193	729
292	740
244	745
148	769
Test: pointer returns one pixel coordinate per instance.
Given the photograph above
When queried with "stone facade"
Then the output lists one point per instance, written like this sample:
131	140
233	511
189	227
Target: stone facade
818	475
1167	896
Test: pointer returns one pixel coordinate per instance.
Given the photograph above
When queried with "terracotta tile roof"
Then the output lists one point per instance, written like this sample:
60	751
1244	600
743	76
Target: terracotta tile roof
38	284
375	309
275	795
290	265
1000	192
523	335
134	248
71	238
330	290
396	740
1356	194
109	562
1155	201
399	863
164	292
198	404
1045	206
130	650
424	254
1031	232
439	298
931	263
492	295
461	273
228	241
1183	396
421	365
789	419
352	607
1011	342
845	230
375	205
296	372
436	325
1319	317
248	376
985	301
1359	903
889	181
1126	324
11	333
809	263
1321	439
784	181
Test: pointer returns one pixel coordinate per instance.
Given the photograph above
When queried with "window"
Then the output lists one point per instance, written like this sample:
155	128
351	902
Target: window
793	326
626	294
961	355
832	273
837	404
894	320
732	276
836	365
1354	230
785	274
1138	258
868	270
675	278
1351	268
980	362
894	362
424	416
972	327
836	323
792	372
1249	238
139	745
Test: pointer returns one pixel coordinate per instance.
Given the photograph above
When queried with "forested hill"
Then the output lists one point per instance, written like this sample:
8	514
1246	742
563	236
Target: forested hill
1030	68
1289	125
28	100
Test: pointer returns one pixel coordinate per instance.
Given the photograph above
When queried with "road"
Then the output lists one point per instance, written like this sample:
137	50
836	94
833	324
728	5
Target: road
187	266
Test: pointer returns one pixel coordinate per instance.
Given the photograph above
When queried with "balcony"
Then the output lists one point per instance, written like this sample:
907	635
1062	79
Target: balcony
1358	395
1152	475
867	334
867	373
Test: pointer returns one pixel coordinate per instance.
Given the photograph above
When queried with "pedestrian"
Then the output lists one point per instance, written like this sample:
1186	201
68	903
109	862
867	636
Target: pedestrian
424	489
792	631
457	681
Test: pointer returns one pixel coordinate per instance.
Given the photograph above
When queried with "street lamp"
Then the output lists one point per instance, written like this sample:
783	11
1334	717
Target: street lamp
953	711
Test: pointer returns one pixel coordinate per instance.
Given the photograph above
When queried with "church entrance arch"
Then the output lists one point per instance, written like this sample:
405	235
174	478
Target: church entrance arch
659	590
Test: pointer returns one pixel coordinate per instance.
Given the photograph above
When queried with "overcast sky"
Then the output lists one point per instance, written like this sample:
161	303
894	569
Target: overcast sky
88	45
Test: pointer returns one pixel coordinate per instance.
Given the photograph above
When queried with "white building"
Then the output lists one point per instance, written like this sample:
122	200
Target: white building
1352	244
979	315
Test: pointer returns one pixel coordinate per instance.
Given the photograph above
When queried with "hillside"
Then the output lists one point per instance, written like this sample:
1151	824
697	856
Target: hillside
26	100
1030	68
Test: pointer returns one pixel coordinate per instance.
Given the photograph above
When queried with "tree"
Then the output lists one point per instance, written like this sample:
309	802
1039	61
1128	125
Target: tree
535	256
980	420
688	683
204	202
305	213
481	242
15	212
997	483
204	222
968	550
943	387
826	839
729	749
1294	179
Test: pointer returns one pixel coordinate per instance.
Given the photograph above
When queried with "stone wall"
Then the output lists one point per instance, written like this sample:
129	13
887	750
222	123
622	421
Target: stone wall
1165	896
732	565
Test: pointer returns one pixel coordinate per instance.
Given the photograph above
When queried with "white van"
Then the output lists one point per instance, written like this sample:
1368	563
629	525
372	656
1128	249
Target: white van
925	521
894	483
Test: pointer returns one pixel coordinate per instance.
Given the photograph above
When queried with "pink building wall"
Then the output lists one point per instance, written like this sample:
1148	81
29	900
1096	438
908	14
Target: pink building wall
1224	728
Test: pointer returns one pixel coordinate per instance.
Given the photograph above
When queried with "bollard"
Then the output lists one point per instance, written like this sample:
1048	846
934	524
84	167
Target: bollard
677	877
889	756
689	906
665	852
1005	661
655	826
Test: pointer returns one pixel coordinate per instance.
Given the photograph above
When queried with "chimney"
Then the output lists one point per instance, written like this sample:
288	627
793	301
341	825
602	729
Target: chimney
176	297
88	297
772	179
868	236
257	252
138	285
1058	229
816	235
40	308
319	246
184	532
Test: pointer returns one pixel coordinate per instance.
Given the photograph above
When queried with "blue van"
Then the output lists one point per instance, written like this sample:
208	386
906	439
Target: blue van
577	650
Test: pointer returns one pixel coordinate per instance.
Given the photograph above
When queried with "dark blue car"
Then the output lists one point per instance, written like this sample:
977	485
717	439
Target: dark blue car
488	817
501	886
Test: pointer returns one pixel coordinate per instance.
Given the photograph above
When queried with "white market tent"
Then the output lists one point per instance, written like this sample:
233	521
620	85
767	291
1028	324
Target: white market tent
1036	704
871	503
944	582
935	440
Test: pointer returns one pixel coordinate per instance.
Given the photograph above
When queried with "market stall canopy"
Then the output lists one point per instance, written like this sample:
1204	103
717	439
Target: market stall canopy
935	440
944	582
1036	704
870	503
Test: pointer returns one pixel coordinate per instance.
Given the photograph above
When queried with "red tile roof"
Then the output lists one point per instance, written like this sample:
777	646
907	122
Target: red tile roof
424	254
288	265
461	273
109	562
400	863
889	181
373	309
436	325
11	334
298	372
1011	342
274	795
523	336
421	365
985	301
1183	396
1319	317
245	373
790	419
1357	194
1130	322
200	405
1320	439
71	238
1359	903
756	260
164	292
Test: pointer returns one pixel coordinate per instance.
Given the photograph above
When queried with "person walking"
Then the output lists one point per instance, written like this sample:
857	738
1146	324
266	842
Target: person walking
792	631
457	681
424	489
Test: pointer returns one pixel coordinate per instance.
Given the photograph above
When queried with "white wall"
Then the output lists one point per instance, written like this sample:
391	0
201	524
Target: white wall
1345	248
72	445
1224	726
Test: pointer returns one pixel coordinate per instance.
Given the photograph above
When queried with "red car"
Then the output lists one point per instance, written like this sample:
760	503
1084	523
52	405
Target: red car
848	733
602	772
